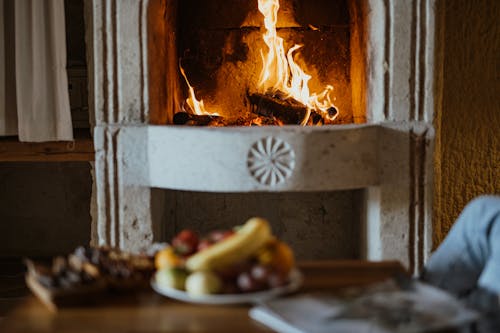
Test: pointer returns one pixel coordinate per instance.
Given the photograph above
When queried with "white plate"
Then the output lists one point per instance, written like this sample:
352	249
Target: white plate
244	298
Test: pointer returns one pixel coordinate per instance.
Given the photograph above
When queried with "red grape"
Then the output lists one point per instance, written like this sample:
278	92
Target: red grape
276	279
247	283
260	273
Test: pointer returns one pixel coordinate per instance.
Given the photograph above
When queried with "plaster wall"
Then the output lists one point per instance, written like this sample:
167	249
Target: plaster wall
467	159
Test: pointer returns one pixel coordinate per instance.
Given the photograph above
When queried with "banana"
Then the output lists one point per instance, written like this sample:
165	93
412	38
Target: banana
244	243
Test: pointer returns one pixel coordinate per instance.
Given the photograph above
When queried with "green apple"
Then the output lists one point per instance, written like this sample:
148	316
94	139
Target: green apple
171	278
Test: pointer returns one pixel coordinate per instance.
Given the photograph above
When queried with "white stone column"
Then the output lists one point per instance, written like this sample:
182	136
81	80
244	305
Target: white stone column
401	93
117	62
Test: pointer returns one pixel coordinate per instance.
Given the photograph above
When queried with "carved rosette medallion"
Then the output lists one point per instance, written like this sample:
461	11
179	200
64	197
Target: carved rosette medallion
271	161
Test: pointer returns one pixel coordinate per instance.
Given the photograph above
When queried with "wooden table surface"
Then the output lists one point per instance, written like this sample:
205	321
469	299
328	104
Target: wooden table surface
150	312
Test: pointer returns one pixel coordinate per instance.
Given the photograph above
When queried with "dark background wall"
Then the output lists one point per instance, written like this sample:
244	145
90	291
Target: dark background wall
45	207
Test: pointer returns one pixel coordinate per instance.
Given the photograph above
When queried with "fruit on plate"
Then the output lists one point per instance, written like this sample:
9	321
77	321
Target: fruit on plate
214	237
245	259
186	242
203	283
277	254
172	277
247	283
167	258
238	247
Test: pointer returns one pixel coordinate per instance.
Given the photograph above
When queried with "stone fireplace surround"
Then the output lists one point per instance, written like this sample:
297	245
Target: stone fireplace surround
389	157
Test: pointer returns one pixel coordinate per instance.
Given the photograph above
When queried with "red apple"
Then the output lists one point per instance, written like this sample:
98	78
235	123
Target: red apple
186	242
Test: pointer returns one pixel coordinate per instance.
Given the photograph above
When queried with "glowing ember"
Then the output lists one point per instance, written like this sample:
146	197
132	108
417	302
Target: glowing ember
281	73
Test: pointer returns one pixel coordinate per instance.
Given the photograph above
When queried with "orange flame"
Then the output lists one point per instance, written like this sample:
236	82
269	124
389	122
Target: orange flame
280	72
196	105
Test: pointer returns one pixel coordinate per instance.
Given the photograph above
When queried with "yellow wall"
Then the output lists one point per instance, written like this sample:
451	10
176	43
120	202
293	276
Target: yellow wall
467	159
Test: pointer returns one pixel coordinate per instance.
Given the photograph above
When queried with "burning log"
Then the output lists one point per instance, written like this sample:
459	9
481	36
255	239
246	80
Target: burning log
189	119
185	118
288	110
332	112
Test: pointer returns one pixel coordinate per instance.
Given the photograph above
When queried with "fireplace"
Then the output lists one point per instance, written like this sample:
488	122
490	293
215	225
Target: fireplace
265	62
375	148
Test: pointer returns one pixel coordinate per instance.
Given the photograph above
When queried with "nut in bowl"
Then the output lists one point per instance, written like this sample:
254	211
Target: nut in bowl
244	265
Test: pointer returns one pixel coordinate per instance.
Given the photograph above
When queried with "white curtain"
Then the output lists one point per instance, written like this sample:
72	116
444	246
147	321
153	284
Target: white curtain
34	99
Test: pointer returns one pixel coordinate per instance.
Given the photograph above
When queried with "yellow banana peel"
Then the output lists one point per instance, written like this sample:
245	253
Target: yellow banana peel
240	246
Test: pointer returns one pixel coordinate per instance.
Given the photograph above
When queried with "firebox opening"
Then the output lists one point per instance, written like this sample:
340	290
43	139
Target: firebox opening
219	50
318	225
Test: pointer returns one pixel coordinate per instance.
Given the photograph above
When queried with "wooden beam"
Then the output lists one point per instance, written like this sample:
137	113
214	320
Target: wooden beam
79	150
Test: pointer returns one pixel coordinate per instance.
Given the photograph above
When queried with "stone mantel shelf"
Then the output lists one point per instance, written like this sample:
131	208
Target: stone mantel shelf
263	159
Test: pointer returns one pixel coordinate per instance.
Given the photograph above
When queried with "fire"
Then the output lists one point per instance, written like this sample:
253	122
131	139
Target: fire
281	73
196	105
